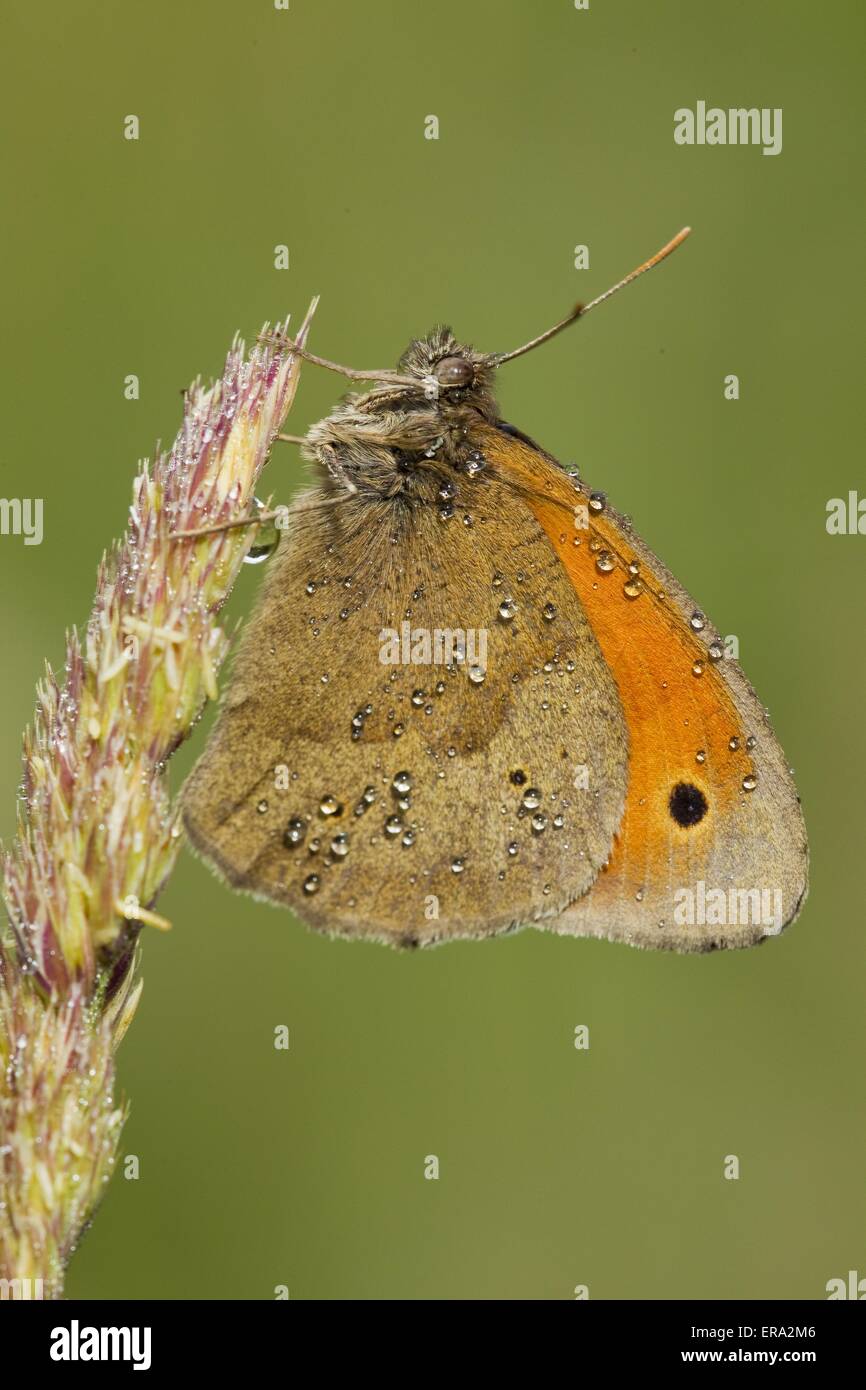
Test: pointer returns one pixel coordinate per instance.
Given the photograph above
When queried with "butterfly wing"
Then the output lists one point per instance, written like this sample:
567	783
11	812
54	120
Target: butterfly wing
712	849
338	689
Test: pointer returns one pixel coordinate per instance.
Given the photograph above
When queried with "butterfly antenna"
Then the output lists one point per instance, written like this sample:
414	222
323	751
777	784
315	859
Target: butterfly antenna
581	309
280	340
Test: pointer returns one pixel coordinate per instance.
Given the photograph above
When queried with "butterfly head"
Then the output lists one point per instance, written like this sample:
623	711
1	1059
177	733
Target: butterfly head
448	371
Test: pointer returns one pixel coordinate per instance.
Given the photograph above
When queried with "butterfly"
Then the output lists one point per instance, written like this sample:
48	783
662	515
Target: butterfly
470	698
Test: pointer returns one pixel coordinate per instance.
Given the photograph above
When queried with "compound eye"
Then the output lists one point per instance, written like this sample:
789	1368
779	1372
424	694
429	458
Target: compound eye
454	371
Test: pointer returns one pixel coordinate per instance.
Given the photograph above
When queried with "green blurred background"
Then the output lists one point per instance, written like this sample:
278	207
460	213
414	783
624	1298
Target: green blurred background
305	127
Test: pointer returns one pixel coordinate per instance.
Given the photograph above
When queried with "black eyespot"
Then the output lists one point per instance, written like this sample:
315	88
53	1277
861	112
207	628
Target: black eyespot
455	371
518	778
687	804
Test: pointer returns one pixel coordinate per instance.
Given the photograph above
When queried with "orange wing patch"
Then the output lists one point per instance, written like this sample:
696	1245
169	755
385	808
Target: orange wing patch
689	755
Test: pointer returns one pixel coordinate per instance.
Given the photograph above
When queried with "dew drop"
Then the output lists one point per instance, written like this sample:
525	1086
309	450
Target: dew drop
750	781
604	562
402	783
311	884
549	611
262	550
330	806
531	798
266	540
507	609
733	743
340	845
697	621
476	674
262	807
457	866
294	833
597	501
